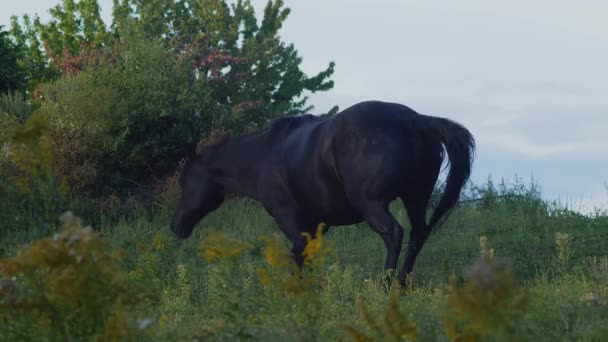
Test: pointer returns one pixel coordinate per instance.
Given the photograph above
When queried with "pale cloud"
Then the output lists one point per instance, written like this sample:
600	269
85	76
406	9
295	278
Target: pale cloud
519	145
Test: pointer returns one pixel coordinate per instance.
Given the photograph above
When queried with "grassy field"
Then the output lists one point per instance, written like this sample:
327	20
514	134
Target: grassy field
235	286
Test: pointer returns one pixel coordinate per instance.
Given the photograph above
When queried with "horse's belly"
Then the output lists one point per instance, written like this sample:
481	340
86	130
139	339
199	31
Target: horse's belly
342	218
334	209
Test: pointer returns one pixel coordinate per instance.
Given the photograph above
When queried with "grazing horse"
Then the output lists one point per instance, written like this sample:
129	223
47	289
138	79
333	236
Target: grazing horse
340	170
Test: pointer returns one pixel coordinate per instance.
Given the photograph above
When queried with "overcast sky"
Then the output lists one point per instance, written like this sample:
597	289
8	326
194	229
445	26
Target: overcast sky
528	78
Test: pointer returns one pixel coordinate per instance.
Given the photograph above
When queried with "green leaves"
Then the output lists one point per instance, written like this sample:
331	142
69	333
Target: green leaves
74	27
131	121
12	74
73	285
72	24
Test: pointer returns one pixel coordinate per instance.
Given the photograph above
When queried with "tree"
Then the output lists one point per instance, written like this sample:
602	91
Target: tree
33	58
12	75
73	27
126	120
254	75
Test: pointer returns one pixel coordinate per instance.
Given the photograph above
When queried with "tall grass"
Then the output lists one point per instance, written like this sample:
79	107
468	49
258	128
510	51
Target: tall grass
508	269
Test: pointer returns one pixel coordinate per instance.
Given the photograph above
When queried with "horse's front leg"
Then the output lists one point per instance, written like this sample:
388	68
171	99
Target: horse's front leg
293	225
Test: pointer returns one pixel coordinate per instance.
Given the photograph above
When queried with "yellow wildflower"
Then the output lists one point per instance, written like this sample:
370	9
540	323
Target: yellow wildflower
162	321
264	276
158	243
276	254
217	246
486	251
315	247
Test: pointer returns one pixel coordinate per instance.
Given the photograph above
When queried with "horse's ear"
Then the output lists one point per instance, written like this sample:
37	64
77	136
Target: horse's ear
333	111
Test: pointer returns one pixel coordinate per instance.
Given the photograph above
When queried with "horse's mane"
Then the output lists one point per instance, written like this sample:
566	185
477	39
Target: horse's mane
276	129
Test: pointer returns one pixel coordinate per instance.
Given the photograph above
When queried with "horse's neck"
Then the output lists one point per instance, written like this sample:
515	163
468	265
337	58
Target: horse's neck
239	165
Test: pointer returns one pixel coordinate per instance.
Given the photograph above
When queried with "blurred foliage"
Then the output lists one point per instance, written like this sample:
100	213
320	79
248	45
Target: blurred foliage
487	303
394	326
71	287
28	169
123	124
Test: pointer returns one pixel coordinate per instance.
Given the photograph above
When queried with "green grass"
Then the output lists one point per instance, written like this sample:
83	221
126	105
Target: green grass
567	300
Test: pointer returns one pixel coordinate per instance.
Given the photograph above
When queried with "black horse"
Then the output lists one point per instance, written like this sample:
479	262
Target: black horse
340	170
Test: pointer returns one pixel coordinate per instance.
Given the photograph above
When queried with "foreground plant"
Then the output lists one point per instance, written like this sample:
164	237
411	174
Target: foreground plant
216	246
303	289
69	286
284	274
394	326
31	151
226	289
295	290
487	302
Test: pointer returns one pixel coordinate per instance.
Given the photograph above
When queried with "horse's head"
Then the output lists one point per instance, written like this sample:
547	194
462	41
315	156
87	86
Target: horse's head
199	196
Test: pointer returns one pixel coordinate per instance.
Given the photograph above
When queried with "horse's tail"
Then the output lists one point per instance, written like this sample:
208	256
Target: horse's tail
460	147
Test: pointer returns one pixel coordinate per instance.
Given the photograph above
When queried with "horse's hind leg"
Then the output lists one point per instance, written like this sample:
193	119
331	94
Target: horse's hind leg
416	211
382	222
416	201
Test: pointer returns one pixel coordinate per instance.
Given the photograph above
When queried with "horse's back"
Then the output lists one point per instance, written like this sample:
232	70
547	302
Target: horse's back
371	111
383	149
378	125
323	160
357	140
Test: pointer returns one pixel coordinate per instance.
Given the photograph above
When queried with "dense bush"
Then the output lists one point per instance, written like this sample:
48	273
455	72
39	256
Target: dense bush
129	120
71	286
29	185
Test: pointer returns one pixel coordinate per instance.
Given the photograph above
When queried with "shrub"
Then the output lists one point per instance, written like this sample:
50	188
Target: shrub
395	325
15	107
69	286
121	124
487	303
28	172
